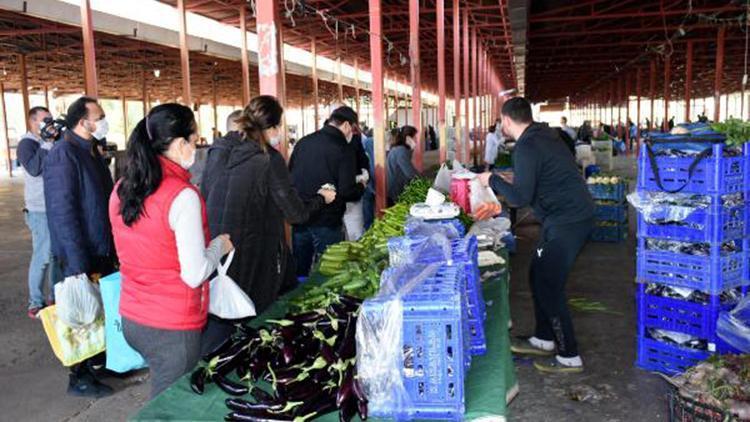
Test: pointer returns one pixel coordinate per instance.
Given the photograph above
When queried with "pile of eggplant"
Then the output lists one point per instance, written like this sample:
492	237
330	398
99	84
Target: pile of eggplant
307	361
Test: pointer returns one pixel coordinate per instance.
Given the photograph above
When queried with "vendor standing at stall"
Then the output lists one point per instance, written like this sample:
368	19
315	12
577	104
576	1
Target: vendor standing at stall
546	178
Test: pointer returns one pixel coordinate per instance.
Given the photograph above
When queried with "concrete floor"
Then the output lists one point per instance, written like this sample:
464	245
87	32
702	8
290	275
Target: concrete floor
34	382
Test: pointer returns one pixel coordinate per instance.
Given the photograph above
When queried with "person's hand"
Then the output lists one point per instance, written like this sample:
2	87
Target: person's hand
484	179
328	195
507	176
226	244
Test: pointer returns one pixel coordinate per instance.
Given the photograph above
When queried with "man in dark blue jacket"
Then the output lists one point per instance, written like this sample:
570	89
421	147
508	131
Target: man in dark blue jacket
546	178
325	157
77	185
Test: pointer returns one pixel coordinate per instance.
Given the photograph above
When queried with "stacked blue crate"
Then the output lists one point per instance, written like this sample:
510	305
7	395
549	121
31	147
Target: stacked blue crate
611	213
720	175
432	371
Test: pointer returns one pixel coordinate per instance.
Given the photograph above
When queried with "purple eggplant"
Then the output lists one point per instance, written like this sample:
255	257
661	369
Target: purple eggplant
318	405
198	380
228	386
261	396
346	348
362	409
305	317
327	353
259	416
348	409
244	406
219	350
346	389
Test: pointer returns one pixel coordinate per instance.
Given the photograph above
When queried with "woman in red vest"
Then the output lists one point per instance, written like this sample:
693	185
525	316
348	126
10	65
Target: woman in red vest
160	229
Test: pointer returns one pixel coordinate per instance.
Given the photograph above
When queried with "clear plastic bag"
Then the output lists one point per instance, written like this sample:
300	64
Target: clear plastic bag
79	301
418	227
663	207
406	250
479	195
380	358
491	231
734	326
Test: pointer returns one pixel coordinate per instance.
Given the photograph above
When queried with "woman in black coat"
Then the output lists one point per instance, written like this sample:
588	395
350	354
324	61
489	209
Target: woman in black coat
249	195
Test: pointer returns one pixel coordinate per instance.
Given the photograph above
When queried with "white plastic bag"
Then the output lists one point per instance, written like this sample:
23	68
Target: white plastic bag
443	179
480	195
79	302
354	220
227	299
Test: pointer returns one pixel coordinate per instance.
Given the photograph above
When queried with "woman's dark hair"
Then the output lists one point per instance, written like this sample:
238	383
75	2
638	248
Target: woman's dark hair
261	113
405	132
491	128
150	138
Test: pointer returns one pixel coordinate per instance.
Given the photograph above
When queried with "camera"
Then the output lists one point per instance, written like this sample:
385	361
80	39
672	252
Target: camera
51	129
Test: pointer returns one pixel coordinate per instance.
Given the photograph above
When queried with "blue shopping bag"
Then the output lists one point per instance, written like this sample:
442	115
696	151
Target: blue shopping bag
120	356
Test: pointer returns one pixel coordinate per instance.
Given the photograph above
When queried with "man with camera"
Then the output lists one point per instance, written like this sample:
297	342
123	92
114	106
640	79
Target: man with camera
31	152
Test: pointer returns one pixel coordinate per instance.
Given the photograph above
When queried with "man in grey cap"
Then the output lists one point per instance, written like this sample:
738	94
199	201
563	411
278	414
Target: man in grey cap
320	158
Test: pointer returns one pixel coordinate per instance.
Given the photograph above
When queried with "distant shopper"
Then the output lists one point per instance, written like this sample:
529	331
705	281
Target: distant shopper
161	231
491	144
354	219
400	170
546	178
249	195
32	151
320	158
77	184
569	130
368	198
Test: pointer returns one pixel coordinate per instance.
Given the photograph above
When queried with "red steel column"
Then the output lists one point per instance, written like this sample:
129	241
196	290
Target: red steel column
125	116
667	83
619	107
467	143
416	83
314	50
638	110
458	128
688	79
184	55
5	129
440	17
480	103
652	93
269	49
245	58
474	93
356	87
89	51
376	67
24	88
627	112
720	38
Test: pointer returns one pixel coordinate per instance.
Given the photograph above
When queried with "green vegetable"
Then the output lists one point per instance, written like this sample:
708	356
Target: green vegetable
736	130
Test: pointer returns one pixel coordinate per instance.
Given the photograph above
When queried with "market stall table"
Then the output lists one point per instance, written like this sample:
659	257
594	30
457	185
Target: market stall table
490	384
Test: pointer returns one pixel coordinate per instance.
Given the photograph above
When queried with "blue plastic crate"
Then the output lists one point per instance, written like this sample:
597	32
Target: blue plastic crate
669	359
716	174
713	224
465	254
409	230
711	274
682	316
604	192
445	276
432	342
610	234
617	213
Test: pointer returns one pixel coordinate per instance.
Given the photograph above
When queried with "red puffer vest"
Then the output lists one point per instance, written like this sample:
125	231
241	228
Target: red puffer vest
153	293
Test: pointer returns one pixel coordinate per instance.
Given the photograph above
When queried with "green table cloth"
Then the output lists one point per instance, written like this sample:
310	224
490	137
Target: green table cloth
490	383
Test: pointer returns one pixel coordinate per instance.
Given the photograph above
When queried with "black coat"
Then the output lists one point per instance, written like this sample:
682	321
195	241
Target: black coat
249	195
325	157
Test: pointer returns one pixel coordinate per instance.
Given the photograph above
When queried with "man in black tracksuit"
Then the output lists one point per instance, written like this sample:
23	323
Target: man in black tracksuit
545	177
324	157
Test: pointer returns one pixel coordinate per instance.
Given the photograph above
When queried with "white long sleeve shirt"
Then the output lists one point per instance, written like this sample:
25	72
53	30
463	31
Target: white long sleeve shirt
197	262
490	148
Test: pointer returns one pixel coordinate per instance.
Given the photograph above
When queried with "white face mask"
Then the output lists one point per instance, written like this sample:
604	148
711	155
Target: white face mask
411	143
102	128
274	141
186	164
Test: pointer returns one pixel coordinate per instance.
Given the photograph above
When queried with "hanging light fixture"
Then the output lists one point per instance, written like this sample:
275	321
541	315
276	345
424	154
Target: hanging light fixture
157	73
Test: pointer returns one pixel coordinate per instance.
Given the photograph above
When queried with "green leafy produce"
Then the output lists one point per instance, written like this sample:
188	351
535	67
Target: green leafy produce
736	130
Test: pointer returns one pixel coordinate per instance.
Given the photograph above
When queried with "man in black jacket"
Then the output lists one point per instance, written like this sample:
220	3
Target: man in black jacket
324	157
545	177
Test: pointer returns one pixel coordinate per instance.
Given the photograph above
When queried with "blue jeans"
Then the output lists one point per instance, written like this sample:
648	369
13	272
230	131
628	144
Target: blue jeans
368	206
310	242
43	266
